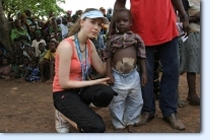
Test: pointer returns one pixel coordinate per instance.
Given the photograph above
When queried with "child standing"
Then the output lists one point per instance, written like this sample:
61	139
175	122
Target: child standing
125	52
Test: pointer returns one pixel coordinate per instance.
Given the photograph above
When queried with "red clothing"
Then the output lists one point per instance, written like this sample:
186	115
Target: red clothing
154	21
75	68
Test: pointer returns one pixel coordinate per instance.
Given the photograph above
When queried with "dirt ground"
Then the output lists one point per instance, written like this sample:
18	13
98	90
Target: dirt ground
28	108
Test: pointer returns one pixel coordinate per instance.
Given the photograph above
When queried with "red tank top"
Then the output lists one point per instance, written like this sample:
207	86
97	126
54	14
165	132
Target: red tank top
75	67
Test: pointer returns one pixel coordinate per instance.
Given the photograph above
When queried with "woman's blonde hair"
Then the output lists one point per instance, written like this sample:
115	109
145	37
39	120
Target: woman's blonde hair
76	27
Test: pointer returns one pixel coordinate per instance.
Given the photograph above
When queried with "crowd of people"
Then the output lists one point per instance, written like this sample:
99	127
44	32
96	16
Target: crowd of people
97	58
34	43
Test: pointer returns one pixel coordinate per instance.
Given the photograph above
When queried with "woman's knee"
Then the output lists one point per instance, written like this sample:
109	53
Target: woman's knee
107	95
95	127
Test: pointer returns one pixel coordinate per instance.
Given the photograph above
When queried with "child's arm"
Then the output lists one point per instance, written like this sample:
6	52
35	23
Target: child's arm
141	55
143	72
109	71
108	59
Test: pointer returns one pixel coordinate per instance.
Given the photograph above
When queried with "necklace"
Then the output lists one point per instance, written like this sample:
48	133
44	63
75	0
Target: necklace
83	49
85	65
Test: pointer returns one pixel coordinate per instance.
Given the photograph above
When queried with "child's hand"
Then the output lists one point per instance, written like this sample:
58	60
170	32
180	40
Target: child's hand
143	79
111	80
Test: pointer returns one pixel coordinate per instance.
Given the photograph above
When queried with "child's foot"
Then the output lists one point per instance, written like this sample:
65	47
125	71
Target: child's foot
130	129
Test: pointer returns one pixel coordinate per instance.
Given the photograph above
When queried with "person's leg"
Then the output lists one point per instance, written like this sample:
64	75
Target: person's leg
117	108
134	102
117	105
170	77
72	107
193	97
193	48
148	109
190	62
52	67
169	83
97	95
61	125
156	82
43	66
181	103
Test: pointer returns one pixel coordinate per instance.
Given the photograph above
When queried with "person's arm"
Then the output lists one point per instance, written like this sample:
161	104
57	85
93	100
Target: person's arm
192	18
143	71
108	57
178	5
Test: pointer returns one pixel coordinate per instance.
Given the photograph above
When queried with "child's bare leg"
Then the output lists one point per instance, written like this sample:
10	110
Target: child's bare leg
51	72
41	68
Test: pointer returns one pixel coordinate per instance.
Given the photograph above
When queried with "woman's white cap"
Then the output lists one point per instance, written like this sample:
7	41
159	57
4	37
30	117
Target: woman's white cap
95	14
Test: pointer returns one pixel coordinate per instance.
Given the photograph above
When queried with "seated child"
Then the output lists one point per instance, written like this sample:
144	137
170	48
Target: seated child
48	63
22	68
43	51
18	62
124	53
32	72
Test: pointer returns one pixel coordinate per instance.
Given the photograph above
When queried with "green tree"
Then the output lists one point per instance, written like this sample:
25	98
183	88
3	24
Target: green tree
10	8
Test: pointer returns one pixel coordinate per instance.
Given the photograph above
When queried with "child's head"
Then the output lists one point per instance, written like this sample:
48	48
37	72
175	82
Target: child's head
123	20
90	23
109	10
53	45
38	34
42	47
26	61
103	10
33	63
58	20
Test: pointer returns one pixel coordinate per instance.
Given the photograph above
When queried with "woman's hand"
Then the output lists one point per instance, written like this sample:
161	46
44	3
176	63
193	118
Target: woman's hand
102	81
